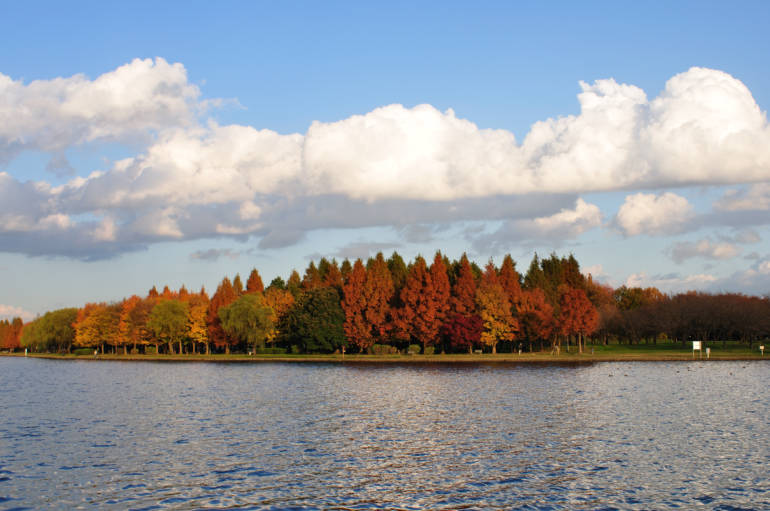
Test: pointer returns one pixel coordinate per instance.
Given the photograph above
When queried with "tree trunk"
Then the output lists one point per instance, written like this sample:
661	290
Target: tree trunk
208	350
494	349
170	348
101	346
227	349
125	349
181	351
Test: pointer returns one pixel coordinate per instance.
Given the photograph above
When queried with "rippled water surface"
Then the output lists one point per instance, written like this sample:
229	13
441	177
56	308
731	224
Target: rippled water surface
305	436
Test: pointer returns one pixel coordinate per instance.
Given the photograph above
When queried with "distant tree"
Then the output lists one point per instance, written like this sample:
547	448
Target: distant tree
168	322
312	278
333	276
314	323
418	318
97	324
280	302
224	295
463	332
494	308
254	283
197	329
463	301
248	319
535	316
345	269
377	291
238	285
510	280
440	289
294	284
357	331
10	335
578	315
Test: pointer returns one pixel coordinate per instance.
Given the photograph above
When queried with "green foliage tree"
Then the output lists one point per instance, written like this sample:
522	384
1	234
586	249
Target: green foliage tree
51	332
248	319
314	323
168	322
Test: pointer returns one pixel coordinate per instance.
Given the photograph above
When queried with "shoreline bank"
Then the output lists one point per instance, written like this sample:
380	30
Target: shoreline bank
500	358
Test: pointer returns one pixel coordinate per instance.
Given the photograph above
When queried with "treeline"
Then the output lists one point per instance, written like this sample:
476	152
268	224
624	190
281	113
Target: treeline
387	306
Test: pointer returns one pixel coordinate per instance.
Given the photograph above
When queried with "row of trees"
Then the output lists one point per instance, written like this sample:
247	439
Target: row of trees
383	305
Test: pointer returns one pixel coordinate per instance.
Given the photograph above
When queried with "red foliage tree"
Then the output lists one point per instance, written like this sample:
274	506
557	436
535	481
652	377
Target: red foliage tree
511	281
356	328
378	290
463	332
417	319
440	289
463	299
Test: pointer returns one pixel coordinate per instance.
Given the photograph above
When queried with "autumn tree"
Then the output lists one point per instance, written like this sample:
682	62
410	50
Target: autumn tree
463	332
463	301
494	308
97	324
197	329
578	316
418	318
535	316
280	302
238	285
440	288
312	278
357	330
332	276
248	319
378	289
168	322
254	282
10	333
510	280
224	295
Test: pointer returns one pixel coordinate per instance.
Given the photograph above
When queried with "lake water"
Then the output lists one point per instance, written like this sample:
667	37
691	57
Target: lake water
123	435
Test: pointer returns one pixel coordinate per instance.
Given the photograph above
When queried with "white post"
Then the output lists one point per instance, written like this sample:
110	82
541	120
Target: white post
761	349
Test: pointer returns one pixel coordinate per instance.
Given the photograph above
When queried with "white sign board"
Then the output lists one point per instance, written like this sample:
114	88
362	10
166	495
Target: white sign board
695	345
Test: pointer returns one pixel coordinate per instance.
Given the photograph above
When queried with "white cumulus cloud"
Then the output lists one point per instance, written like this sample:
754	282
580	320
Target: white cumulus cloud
645	213
394	165
51	115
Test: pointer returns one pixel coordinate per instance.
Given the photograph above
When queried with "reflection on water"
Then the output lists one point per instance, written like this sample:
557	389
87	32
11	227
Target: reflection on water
277	436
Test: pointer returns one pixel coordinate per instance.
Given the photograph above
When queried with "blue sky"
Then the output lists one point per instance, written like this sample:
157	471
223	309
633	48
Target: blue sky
412	126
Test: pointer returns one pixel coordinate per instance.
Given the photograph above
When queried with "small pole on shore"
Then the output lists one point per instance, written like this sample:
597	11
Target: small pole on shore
761	350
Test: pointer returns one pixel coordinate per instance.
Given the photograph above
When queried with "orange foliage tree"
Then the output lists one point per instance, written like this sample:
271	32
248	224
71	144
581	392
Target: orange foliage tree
535	316
418	318
254	283
494	308
578	316
378	290
357	330
224	295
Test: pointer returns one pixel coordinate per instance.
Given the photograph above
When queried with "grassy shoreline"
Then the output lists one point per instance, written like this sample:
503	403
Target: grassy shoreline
626	355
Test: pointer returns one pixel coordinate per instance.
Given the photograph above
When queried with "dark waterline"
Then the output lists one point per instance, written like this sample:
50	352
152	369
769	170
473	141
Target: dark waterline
330	436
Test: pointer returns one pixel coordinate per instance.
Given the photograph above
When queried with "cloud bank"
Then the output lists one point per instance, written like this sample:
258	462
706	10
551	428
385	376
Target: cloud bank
395	165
